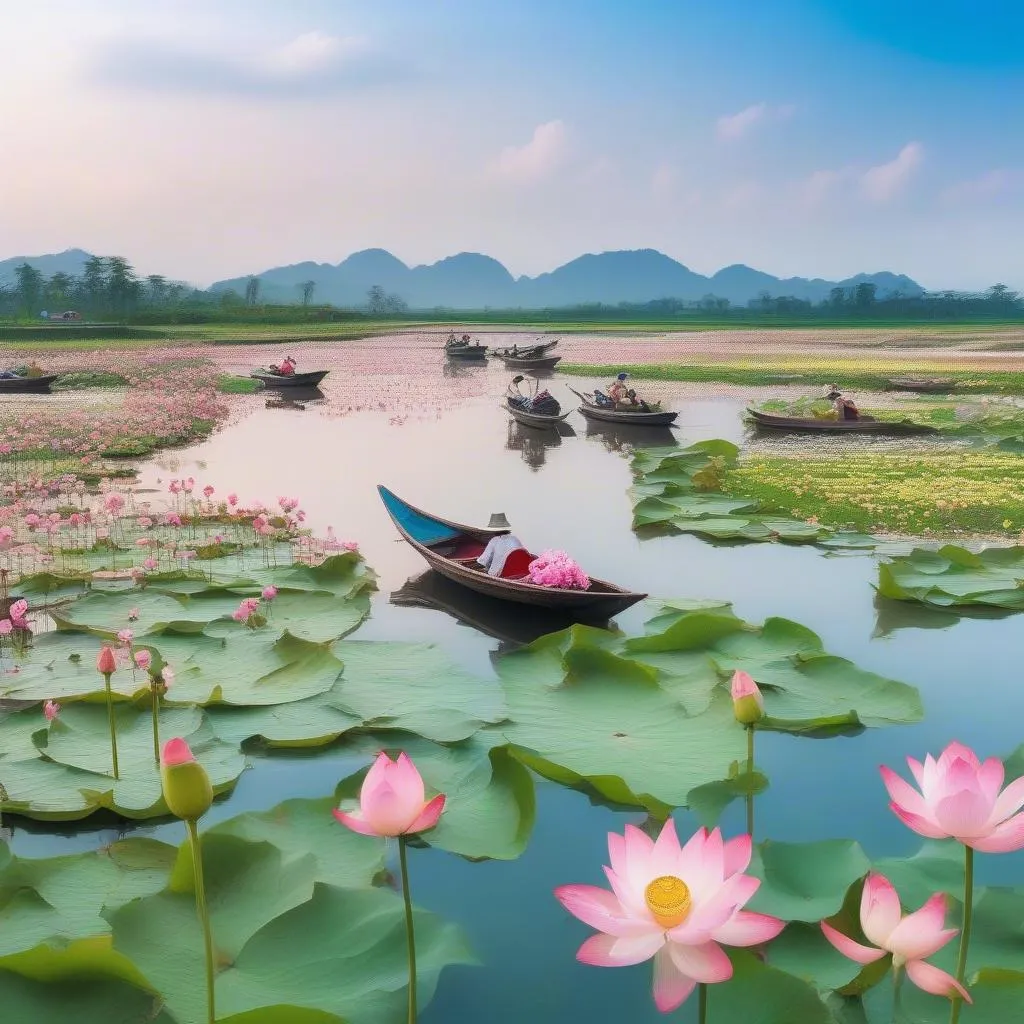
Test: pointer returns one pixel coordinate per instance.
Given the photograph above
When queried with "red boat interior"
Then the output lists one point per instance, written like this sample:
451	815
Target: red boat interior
467	549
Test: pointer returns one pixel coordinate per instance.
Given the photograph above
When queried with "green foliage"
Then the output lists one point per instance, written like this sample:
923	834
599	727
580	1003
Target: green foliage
953	577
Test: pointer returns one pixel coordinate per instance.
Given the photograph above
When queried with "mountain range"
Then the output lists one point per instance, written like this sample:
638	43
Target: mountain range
474	281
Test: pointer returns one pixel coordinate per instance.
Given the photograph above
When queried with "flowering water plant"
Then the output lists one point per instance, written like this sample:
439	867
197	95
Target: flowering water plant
557	569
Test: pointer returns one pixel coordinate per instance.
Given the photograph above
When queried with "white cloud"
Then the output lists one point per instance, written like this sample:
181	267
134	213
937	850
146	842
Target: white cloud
986	186
743	196
884	182
730	127
816	189
311	64
544	153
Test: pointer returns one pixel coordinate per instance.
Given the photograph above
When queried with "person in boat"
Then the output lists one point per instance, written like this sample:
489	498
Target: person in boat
638	404
617	391
845	408
515	394
496	553
33	370
286	369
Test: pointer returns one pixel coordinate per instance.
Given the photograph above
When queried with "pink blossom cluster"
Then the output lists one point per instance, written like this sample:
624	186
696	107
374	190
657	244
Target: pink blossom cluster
15	618
248	607
557	569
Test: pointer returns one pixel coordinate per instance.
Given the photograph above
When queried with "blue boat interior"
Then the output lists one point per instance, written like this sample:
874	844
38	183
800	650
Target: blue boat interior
422	528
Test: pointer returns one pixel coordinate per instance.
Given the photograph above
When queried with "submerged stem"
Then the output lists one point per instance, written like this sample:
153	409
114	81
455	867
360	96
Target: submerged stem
965	932
408	929
897	984
110	719
702	1004
204	917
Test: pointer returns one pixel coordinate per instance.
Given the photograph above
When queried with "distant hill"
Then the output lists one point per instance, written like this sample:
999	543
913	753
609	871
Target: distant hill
71	262
472	281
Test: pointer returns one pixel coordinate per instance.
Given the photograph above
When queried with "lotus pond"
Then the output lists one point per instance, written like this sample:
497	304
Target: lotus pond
541	750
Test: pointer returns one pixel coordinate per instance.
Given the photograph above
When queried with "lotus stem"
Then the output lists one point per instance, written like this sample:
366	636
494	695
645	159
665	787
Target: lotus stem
750	773
965	931
110	719
204	917
156	721
410	935
702	1004
897	984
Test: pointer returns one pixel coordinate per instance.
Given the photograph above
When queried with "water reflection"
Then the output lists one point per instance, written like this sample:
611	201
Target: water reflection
514	625
295	398
891	616
462	367
533	442
627	437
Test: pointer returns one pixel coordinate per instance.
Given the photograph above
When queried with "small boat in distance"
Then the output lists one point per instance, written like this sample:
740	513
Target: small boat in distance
533	363
460	348
28	385
609	414
864	425
526	351
289	380
453	549
924	385
534	419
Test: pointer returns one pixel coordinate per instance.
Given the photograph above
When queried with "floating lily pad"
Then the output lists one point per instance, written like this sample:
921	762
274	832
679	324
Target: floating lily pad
416	687
83	1001
680	488
70	775
953	577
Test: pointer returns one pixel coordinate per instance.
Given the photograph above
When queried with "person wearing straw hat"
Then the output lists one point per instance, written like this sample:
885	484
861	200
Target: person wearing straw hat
844	407
617	391
499	547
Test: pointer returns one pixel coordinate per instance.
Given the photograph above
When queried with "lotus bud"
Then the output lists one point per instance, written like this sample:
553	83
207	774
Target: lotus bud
187	789
747	702
106	663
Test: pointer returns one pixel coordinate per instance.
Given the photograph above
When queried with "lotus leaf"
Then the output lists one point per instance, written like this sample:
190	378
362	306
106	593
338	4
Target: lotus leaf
83	1001
415	687
70	775
953	577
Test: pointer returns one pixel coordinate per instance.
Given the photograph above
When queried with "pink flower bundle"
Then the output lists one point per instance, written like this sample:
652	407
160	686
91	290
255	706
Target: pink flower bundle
557	569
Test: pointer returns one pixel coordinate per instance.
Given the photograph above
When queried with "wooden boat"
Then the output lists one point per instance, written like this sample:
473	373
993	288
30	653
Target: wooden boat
541	363
453	548
927	386
476	351
525	351
534	419
291	380
593	411
28	384
865	425
513	624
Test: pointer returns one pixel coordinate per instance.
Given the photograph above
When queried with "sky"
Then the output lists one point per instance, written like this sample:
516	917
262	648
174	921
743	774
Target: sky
207	140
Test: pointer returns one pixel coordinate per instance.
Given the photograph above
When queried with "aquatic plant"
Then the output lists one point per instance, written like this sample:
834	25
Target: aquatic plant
392	804
675	905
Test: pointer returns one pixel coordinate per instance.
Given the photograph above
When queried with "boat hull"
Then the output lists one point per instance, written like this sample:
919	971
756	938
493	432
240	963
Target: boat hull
544	363
924	387
295	380
27	385
533	419
603	599
796	424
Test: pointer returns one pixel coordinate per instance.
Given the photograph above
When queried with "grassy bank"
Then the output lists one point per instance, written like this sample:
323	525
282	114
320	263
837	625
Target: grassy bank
867	374
946	493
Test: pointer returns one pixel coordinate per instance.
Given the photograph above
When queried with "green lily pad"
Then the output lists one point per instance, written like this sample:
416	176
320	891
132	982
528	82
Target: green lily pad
953	577
680	489
70	775
762	994
415	687
84	1001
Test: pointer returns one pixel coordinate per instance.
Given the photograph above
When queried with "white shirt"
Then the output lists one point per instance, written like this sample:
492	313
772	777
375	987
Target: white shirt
497	551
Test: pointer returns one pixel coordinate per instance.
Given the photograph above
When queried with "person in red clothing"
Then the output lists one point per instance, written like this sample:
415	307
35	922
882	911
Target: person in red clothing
287	367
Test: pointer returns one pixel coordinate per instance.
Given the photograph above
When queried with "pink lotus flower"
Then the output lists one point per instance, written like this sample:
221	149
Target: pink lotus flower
962	799
5	627
207	491
17	613
557	569
143	659
106	663
349	545
167	675
672	904
909	939
269	593
392	801
232	499
149	563
126	636
133	614
51	709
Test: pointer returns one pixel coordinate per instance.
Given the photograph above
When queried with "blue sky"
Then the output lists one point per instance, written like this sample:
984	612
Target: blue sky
211	139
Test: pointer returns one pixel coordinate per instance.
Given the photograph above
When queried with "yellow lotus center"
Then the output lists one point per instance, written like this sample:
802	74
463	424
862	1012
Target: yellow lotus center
668	899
